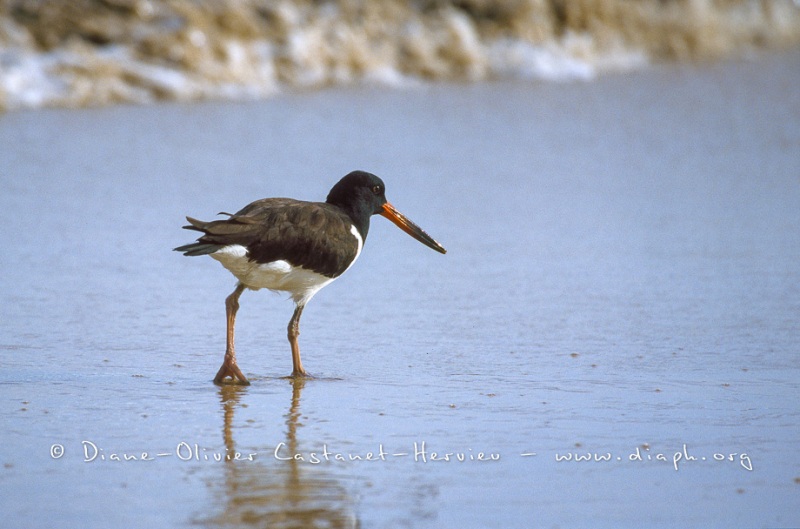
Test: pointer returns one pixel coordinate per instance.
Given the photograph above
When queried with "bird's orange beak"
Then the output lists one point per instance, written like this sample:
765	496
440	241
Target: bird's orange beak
410	228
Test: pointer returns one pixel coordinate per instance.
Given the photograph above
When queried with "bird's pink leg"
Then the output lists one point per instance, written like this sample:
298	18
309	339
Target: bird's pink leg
294	332
229	367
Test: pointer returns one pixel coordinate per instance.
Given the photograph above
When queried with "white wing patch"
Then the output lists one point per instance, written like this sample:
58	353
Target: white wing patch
360	242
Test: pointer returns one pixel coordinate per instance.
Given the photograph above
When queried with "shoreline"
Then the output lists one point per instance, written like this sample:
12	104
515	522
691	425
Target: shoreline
421	86
91	54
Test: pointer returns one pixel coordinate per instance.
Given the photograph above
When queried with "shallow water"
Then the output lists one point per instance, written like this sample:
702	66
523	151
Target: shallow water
622	280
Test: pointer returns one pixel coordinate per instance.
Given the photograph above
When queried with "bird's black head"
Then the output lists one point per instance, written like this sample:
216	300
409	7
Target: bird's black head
361	194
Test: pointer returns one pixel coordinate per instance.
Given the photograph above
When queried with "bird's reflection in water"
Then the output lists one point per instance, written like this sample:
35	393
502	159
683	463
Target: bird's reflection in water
270	493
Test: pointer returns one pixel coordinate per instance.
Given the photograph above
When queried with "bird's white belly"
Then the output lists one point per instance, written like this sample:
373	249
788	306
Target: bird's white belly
279	275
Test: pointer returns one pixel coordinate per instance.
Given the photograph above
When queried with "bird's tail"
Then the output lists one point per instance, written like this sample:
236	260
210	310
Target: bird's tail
199	247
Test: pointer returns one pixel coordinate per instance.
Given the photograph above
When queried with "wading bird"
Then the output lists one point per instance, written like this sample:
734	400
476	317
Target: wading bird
283	244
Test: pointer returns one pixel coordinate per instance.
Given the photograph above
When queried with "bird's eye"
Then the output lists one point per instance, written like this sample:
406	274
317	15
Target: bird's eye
376	190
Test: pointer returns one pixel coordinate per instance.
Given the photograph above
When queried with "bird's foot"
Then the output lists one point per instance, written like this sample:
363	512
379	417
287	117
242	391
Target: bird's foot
300	374
230	369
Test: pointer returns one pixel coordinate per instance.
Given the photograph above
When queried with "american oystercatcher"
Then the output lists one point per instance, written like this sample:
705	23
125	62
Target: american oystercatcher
294	246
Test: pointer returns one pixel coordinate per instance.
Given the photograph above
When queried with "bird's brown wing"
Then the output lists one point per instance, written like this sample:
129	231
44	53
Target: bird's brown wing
314	235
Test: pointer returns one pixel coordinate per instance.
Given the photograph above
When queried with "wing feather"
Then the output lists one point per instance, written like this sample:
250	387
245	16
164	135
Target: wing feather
314	235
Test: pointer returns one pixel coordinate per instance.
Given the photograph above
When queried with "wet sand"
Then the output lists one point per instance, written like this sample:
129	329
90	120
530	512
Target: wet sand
621	282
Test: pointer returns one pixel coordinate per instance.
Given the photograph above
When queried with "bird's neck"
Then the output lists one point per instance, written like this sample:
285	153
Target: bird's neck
359	215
